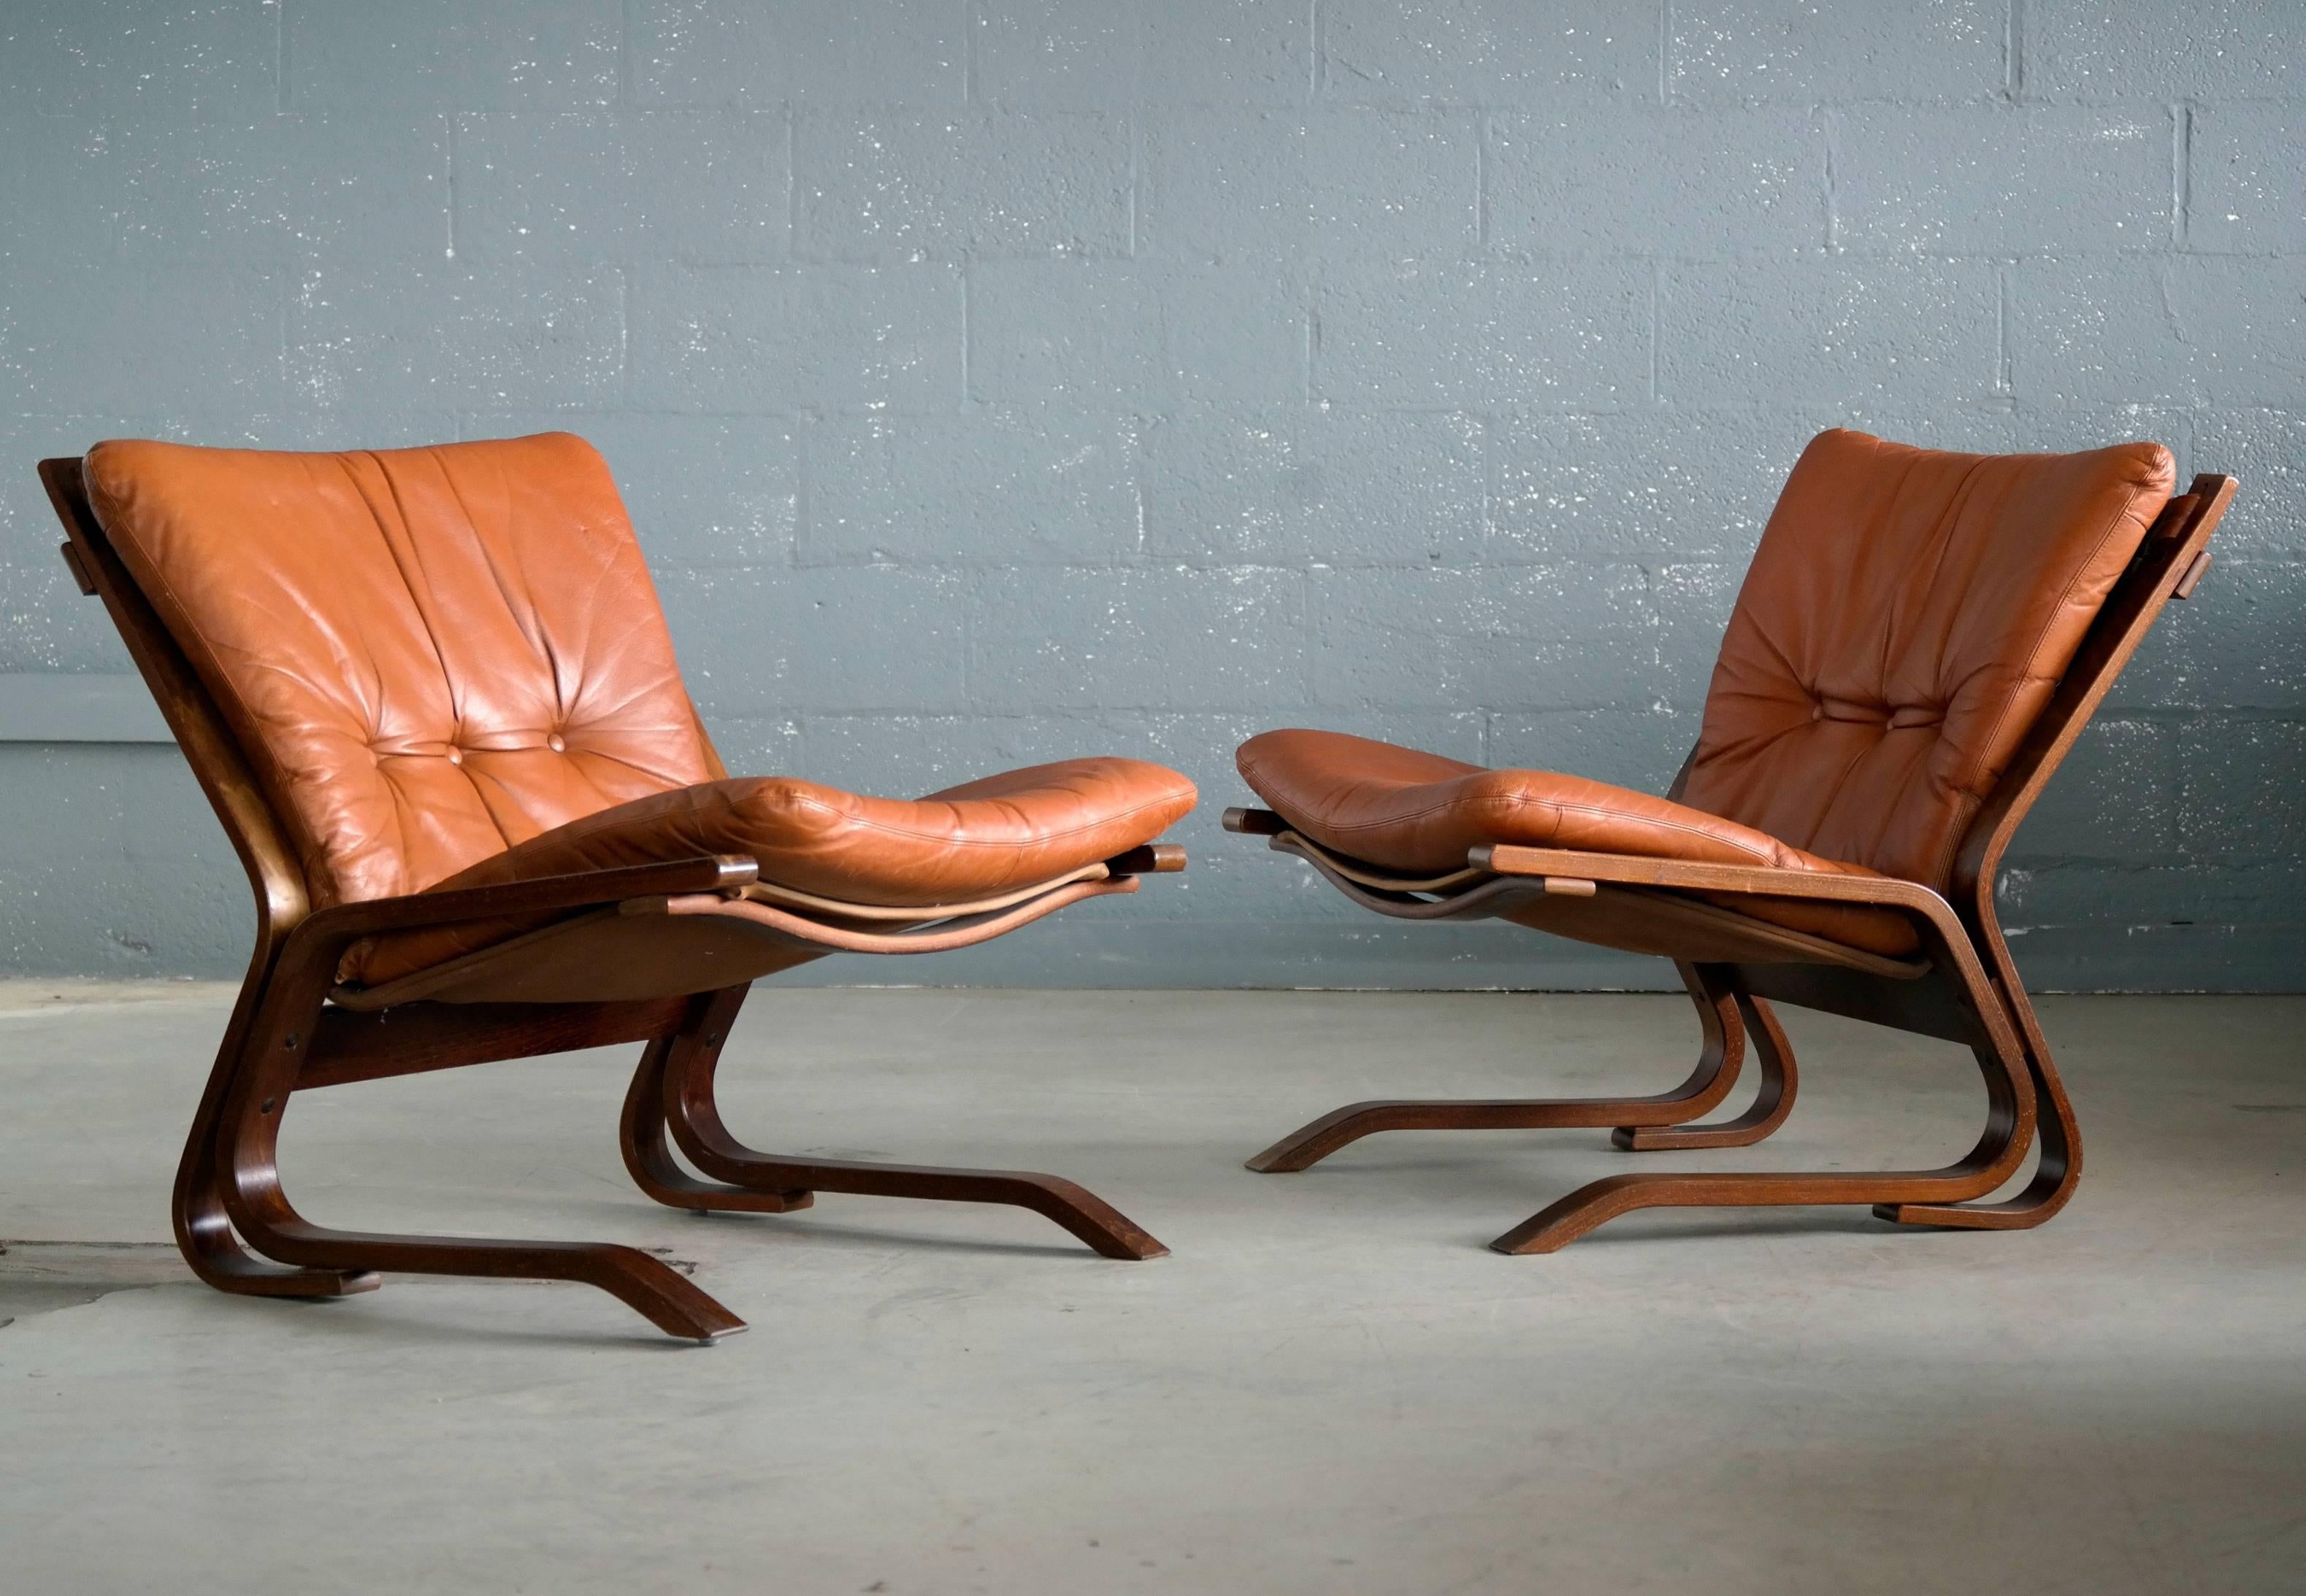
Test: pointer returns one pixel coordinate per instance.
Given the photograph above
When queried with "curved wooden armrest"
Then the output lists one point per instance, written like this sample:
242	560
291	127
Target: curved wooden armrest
548	894
1689	875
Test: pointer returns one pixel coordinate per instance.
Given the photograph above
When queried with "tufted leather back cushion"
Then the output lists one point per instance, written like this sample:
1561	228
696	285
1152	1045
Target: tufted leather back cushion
428	654
1907	616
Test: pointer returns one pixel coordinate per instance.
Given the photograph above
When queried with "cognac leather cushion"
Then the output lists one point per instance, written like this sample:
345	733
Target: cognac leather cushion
969	842
449	668
1906	618
429	653
1418	813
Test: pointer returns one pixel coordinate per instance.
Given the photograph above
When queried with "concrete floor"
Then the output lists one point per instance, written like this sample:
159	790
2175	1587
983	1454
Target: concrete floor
1331	1386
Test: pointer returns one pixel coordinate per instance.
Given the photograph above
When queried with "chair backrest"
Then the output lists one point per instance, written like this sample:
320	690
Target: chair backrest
1907	616
426	655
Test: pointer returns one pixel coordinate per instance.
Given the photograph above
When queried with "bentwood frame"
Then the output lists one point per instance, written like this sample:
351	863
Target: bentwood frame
292	1030
1961	985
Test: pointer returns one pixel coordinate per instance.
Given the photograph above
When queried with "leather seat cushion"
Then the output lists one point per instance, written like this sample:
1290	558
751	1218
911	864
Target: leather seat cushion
969	842
1418	813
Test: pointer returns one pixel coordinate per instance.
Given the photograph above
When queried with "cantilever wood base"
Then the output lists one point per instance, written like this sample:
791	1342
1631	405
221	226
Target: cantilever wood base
672	1092
1641	1124
1942	1198
1951	992
2001	1149
2017	1079
229	1199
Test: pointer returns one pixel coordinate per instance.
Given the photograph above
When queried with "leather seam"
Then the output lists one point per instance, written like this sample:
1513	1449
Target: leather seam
424	618
300	834
1967	785
516	606
1967	805
1943	541
1842	780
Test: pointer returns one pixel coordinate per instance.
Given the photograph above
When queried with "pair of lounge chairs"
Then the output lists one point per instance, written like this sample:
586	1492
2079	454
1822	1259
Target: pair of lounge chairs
433	700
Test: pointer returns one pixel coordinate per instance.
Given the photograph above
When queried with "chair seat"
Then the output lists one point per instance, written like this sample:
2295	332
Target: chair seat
1418	813
970	841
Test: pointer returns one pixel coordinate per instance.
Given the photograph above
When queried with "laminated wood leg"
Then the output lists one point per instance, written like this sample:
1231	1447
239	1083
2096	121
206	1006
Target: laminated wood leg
1720	1058
641	1133
1771	1104
2059	1169
685	1099
2001	1149
261	1076
203	1228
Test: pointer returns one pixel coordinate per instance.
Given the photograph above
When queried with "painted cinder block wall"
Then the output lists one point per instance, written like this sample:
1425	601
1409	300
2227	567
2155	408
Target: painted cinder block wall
998	379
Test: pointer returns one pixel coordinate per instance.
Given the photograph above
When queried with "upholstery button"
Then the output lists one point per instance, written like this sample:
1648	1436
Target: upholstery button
1817	712
556	743
455	757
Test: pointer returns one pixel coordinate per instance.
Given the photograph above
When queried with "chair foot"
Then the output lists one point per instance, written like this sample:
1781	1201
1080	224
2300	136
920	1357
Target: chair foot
1095	1222
254	1277
2020	1213
335	1262
650	1287
1719	1059
204	1236
1555	1227
223	1263
1593	1206
1310	1143
672	1091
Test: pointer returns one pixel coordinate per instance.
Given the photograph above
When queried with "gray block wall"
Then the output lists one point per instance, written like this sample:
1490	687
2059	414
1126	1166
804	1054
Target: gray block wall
992	380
